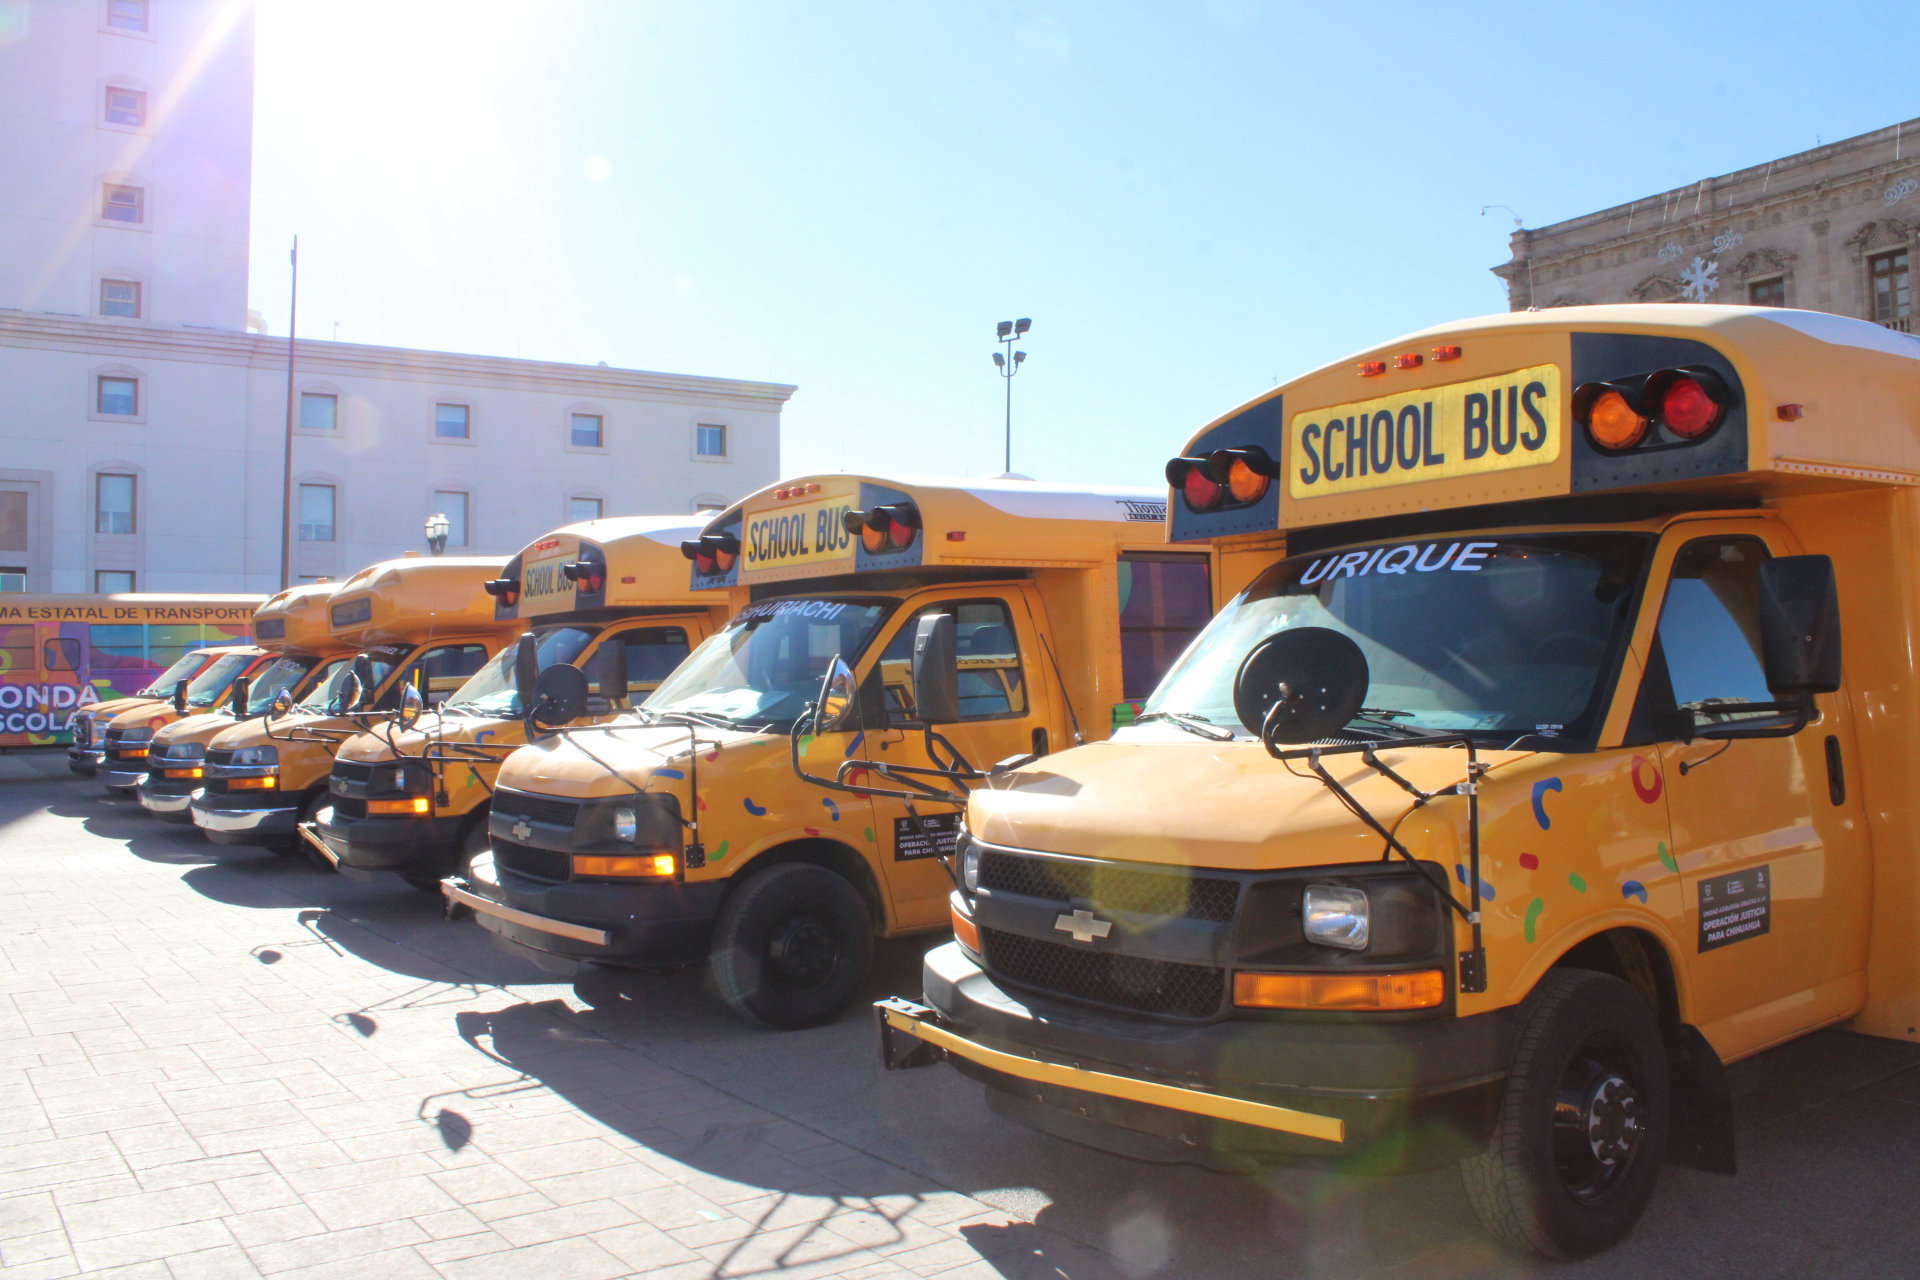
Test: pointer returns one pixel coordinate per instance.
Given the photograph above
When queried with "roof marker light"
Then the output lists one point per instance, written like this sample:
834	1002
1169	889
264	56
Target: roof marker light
1372	368
1444	354
1790	412
1411	360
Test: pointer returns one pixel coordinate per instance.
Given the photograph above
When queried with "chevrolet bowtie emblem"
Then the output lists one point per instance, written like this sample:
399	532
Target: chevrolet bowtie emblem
1083	926
521	830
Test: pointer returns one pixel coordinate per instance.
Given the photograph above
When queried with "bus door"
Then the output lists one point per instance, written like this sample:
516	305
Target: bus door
1768	833
996	647
652	652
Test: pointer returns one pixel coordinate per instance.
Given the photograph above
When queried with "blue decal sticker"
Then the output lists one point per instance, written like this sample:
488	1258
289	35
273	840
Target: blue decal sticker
484	734
854	746
832	808
668	773
1540	790
1486	890
755	809
1634	889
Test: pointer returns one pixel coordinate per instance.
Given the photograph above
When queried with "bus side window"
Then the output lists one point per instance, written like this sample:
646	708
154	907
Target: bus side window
1165	601
16	648
445	668
62	653
1710	626
652	654
992	683
118	647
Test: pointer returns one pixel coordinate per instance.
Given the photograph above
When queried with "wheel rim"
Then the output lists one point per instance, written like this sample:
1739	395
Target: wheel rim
1599	1119
803	950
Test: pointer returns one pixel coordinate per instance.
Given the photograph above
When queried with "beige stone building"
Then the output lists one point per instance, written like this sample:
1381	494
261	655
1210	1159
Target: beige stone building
1831	229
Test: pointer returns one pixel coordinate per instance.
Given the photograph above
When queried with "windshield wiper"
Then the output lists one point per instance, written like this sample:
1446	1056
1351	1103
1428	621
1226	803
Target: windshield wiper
1199	726
1384	720
706	718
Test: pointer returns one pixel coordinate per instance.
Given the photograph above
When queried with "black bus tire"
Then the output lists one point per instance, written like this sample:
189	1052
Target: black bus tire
792	947
1583	1127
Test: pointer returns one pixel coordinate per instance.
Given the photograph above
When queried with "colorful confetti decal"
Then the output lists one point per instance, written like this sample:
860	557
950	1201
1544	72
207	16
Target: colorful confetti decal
1666	859
754	809
668	773
1530	862
1534	909
854	746
1540	790
1574	879
1634	889
1486	890
832	808
869	831
1647	791
721	852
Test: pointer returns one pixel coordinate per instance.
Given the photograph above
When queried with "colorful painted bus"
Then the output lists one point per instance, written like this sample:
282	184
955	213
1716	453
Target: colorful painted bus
61	653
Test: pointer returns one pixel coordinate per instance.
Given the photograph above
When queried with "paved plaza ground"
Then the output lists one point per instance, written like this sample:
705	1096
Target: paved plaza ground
221	1063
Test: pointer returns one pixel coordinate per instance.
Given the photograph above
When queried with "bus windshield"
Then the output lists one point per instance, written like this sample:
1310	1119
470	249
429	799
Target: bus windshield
1503	635
173	675
491	692
767	663
211	683
282	673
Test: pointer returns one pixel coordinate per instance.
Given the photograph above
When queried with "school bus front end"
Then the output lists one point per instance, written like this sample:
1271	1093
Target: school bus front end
684	834
1522	790
412	620
414	801
126	741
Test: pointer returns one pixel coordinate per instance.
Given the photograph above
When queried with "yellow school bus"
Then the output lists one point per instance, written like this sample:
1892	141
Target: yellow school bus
127	739
608	597
295	642
1522	791
89	725
706	829
426	623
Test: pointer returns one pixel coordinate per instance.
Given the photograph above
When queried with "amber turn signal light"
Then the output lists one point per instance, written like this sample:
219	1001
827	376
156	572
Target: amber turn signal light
653	865
965	931
1425	989
267	783
185	773
409	807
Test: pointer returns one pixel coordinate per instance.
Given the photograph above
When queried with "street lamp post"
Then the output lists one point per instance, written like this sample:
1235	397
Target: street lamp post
1010	332
438	527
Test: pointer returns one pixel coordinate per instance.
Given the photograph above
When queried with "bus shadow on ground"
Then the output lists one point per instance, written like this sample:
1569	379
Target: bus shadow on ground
144	835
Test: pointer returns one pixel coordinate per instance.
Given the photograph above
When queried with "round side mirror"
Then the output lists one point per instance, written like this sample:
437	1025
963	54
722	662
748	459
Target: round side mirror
1301	685
282	705
559	695
411	705
837	697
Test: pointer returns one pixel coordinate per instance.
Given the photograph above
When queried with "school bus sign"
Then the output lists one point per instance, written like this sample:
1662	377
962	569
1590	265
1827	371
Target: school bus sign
1502	423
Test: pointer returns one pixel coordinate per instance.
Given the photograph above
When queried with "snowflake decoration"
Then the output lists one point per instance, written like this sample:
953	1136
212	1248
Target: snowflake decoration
1701	279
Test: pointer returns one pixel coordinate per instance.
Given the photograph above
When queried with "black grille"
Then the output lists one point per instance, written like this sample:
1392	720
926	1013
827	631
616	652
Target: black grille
113	736
1112	887
535	864
558	813
219	757
1125	982
351	771
346	807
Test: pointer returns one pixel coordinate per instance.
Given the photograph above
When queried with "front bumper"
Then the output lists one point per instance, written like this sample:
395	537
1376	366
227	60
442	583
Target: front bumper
84	761
391	844
561	926
121	775
174	808
1343	1093
242	826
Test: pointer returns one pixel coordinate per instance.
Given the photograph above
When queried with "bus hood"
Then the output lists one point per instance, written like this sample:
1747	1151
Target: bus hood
196	728
1228	805
556	767
372	748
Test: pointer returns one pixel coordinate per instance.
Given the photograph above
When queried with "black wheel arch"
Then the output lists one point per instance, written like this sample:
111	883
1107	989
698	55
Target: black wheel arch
841	859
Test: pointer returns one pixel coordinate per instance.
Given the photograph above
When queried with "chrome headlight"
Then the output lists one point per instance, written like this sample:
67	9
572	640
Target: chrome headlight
395	777
182	751
969	852
136	735
256	756
1336	916
626	824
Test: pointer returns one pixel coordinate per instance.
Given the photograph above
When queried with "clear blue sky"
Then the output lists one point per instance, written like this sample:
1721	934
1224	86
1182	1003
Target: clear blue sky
1191	200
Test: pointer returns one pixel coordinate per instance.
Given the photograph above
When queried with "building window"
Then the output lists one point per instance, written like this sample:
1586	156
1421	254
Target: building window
1768	293
316	513
584	509
119	396
13	577
126	106
450	421
123	204
452	503
1892	286
120	298
587	430
318	411
107	581
113	503
128	15
710	441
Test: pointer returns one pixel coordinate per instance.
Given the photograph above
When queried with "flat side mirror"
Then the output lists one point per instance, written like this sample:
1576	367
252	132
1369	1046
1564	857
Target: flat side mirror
1301	685
1800	625
282	705
180	698
526	669
839	705
613	672
347	696
237	702
936	670
364	683
411	705
559	695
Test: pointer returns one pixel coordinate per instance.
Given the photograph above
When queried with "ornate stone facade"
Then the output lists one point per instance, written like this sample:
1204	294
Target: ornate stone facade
1832	229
